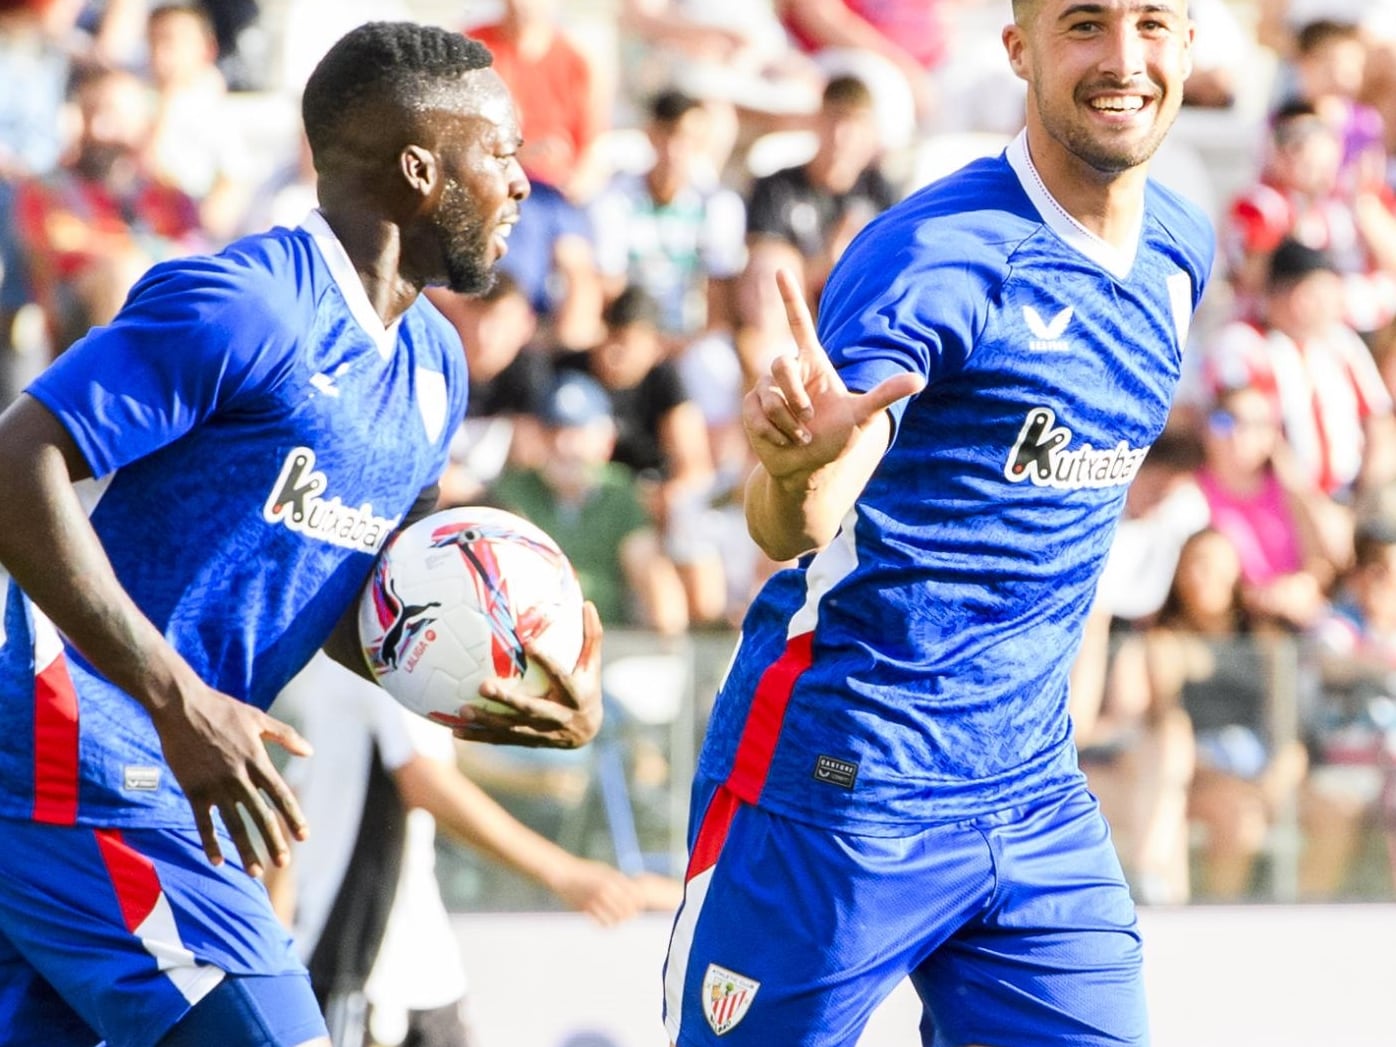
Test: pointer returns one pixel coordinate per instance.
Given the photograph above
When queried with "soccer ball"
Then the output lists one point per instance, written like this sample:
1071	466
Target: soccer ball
451	601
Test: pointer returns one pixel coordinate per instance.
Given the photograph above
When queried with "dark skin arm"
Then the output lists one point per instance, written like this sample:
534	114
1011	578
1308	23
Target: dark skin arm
567	717
214	743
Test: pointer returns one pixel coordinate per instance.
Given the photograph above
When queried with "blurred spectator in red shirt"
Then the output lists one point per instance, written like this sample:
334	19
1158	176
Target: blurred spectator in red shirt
561	112
89	229
1300	195
1333	405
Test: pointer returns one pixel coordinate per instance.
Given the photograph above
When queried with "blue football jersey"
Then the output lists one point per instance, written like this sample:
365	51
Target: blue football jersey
255	433
915	669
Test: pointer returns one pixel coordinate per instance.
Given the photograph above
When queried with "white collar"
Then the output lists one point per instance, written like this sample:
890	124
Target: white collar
1116	261
350	286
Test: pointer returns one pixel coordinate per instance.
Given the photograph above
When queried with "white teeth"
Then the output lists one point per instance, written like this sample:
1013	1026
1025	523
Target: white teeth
1131	104
503	231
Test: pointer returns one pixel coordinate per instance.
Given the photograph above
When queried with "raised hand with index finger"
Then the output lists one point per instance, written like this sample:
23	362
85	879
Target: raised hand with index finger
816	440
801	416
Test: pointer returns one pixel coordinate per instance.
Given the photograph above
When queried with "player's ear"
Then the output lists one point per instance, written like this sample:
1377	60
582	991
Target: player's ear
1016	47
420	169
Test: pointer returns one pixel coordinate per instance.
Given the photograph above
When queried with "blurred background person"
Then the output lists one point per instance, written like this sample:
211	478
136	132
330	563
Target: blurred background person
1299	196
563	107
90	228
509	377
673	231
1323	383
591	508
819	206
190	147
1203	658
662	440
1290	538
361	896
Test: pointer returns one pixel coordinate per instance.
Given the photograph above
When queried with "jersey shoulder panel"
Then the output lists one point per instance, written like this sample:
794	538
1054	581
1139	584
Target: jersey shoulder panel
915	288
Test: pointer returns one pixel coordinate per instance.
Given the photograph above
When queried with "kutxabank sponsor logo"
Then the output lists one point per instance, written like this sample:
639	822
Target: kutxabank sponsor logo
297	501
1042	455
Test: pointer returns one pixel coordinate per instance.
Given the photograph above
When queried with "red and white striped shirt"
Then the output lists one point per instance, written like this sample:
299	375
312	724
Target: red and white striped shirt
1325	389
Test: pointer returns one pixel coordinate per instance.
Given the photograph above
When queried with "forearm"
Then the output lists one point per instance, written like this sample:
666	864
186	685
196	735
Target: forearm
50	549
799	512
471	816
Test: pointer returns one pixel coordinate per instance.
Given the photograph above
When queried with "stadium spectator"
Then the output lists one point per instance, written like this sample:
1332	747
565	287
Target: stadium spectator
1330	66
733	54
257	422
1290	538
669	230
590	506
361	895
563	106
662	440
819	206
509	376
1332	403
1352	733
190	146
1204	657
1299	196
90	228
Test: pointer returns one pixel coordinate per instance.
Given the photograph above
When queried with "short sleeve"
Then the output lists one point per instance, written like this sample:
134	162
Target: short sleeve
896	302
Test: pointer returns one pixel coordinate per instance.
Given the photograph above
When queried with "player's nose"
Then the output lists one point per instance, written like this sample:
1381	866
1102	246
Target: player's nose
1122	54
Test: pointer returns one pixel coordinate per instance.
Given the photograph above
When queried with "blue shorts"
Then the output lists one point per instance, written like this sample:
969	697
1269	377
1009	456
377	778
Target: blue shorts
117	934
1015	928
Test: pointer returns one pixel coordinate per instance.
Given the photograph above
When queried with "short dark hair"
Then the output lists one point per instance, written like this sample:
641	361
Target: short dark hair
1292	261
1177	449
401	64
1372	541
1315	34
848	91
192	8
632	306
671	105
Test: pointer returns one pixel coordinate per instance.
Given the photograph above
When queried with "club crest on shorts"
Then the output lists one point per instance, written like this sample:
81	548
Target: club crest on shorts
727	996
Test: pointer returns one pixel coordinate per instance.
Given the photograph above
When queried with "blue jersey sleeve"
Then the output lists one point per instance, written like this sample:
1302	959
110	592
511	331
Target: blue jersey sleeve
194	335
900	301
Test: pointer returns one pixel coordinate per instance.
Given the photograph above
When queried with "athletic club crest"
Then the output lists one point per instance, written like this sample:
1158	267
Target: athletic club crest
727	996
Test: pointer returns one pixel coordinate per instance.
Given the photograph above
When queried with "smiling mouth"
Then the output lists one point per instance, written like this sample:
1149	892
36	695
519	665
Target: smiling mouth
501	235
1119	105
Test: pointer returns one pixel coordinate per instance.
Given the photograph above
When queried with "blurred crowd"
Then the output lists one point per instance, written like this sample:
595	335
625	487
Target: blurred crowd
1238	682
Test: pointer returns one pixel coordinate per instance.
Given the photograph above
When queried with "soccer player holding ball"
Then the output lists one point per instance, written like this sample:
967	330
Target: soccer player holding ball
190	501
888	788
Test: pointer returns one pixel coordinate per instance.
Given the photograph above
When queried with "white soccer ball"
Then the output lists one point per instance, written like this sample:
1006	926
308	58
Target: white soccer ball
451	601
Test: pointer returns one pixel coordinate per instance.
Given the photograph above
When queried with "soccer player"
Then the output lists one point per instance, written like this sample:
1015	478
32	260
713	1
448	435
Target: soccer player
888	787
192	499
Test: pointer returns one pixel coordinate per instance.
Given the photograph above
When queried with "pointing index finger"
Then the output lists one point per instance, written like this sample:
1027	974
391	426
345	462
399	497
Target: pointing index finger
797	315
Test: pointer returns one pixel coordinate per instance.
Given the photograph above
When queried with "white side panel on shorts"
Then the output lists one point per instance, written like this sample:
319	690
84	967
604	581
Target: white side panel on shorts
680	947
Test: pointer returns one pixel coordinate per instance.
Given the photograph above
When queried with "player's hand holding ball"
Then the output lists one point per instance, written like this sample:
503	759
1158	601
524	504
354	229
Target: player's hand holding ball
474	618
